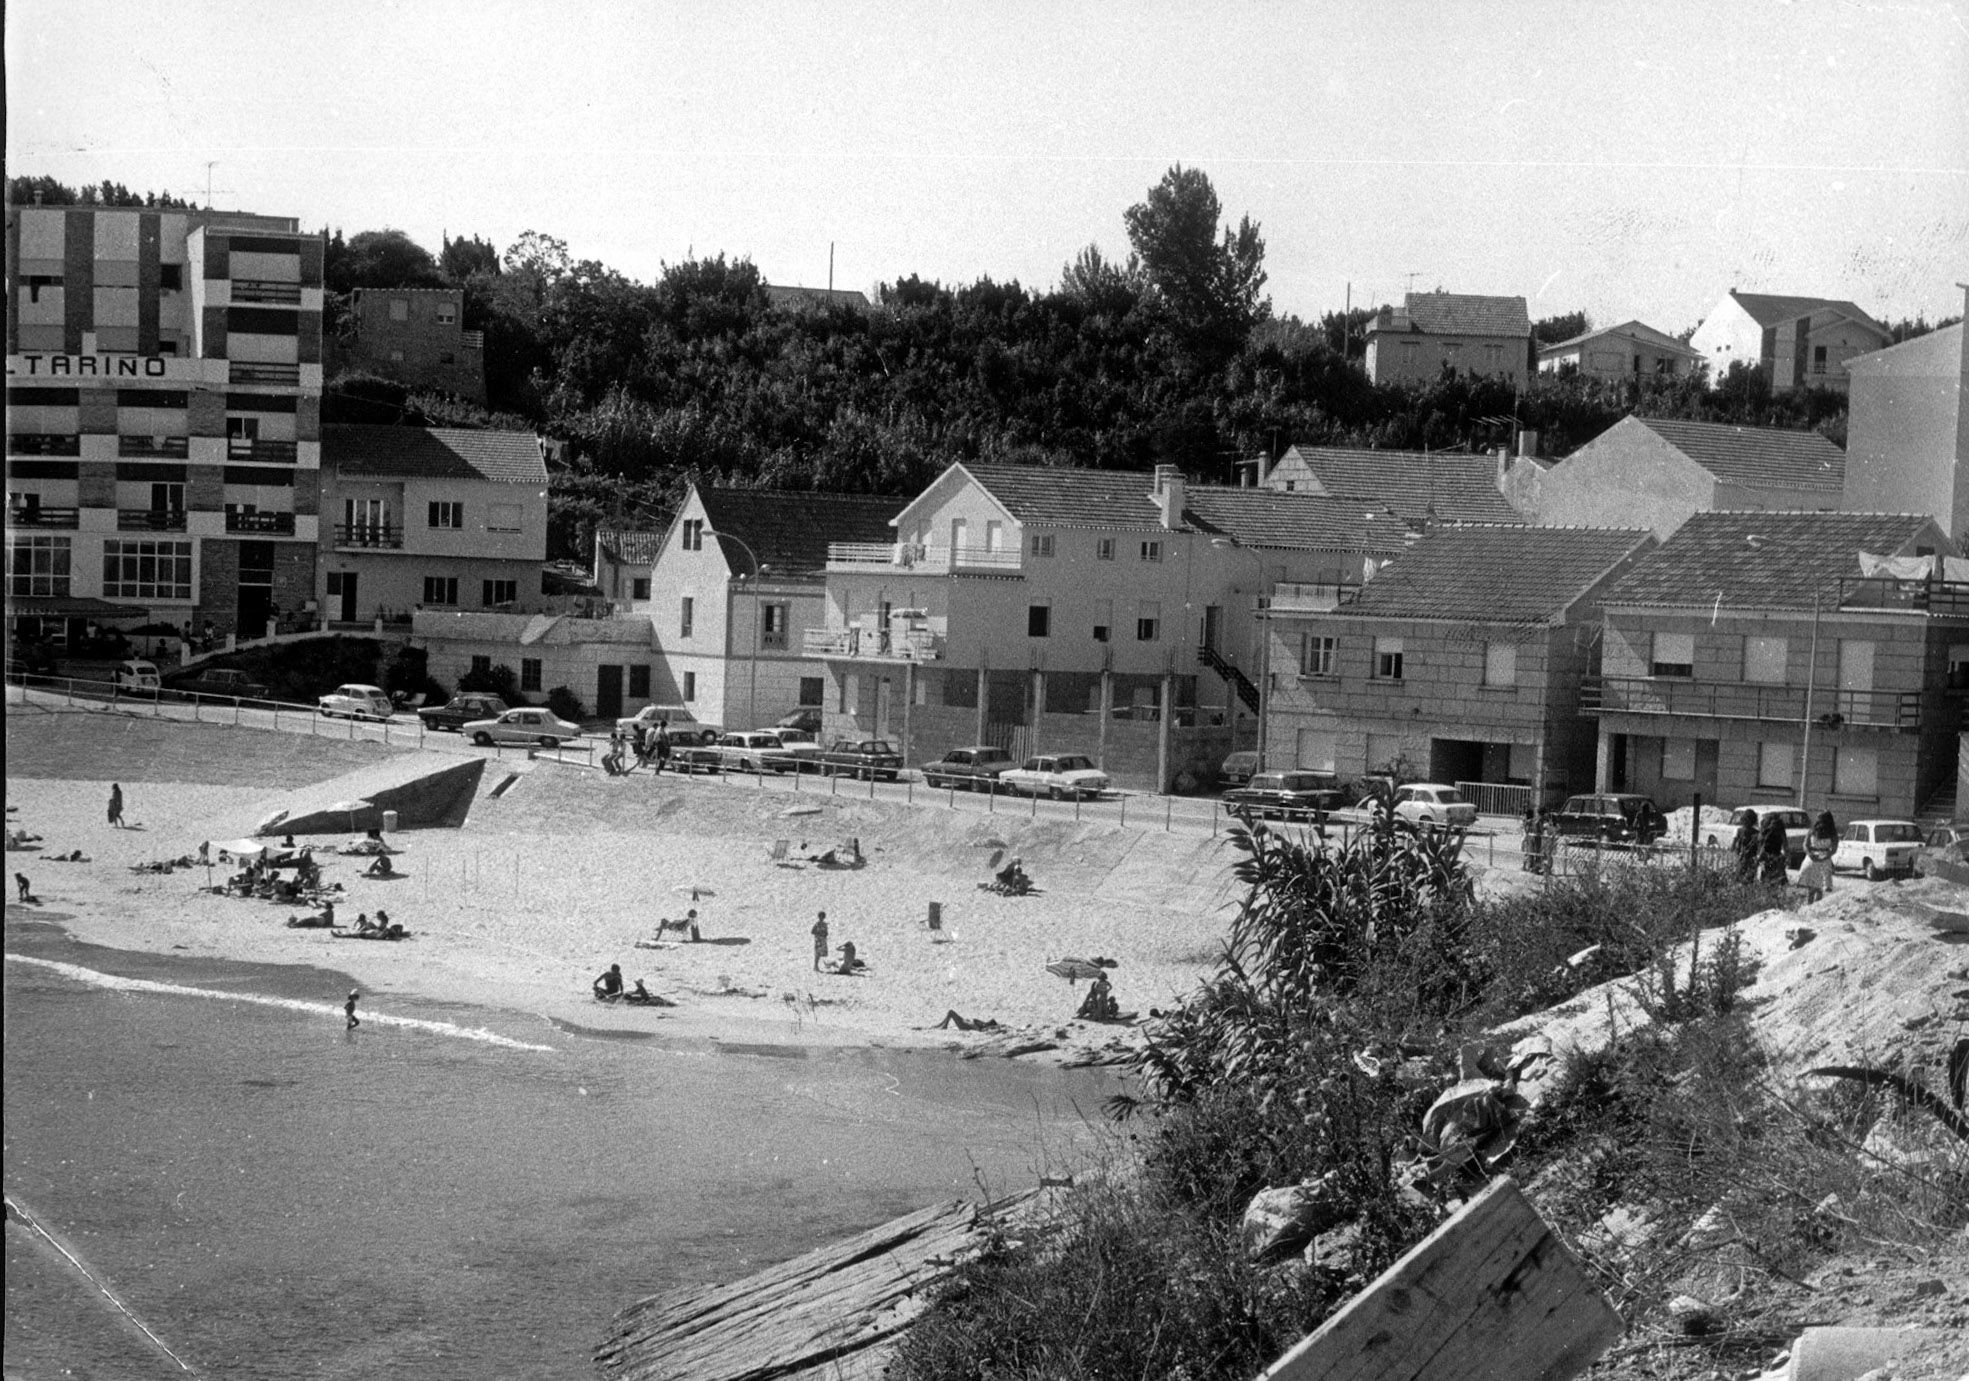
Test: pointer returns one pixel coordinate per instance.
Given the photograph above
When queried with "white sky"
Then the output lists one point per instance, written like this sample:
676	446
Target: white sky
1633	160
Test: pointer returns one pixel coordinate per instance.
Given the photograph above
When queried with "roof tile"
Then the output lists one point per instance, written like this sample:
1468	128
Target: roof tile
1762	560
1494	574
790	529
1457	314
1421	486
1761	457
433	453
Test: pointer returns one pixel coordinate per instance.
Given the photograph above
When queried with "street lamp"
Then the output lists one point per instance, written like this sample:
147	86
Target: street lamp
1265	656
752	653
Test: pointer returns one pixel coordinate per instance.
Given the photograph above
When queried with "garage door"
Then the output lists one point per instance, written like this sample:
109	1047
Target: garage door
1316	749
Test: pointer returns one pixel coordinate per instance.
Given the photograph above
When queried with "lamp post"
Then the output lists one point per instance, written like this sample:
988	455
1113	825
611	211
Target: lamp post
752	653
1258	620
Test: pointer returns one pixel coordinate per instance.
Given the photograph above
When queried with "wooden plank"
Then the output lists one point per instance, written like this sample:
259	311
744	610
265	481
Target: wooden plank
1490	1293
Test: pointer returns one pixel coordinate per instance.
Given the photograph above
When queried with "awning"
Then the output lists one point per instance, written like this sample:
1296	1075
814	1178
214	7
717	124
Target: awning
71	607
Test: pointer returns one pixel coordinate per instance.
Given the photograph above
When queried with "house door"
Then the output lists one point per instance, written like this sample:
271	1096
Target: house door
348	579
1213	626
608	692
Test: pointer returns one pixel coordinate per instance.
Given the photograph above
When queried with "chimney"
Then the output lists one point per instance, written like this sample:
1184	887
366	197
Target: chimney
1264	467
1528	442
1502	455
1169	495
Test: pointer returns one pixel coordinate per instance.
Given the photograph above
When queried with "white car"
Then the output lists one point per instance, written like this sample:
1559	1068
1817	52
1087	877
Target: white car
1429	804
528	724
799	745
1058	775
683	727
357	702
756	750
1876	848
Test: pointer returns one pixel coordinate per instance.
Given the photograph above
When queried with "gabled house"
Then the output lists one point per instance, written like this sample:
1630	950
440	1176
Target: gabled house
736	582
1431	334
1907	430
1655	471
1420	487
1631	350
623	560
1460	662
1103	612
1796	341
1786	658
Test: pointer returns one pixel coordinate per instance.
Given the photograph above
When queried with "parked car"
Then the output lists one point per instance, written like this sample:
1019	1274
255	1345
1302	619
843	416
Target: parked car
1238	768
756	750
1877	848
684	726
1058	775
1431	803
799	745
222	681
356	701
1288	795
1797	829
1946	854
1617	817
137	676
971	768
868	757
455	713
807	717
528	724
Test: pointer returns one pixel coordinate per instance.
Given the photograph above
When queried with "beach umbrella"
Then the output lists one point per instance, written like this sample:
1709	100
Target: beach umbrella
1074	969
694	890
241	848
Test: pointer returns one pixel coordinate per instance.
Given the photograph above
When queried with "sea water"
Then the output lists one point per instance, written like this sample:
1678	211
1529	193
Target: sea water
446	1191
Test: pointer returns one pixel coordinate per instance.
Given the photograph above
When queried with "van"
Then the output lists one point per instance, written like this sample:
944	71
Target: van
138	676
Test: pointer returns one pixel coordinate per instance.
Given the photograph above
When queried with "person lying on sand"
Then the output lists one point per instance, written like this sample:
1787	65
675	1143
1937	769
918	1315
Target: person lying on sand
964	1023
643	997
322	920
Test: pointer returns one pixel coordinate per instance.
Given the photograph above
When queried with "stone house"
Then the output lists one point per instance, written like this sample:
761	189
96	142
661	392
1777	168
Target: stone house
1460	333
1772	658
1631	350
1907	430
1462	661
1796	341
415	336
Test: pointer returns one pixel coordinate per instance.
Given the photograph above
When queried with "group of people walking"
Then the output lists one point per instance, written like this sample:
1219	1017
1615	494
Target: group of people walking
1762	852
650	743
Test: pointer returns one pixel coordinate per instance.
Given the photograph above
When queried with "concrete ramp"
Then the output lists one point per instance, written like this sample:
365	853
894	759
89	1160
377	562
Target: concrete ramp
426	790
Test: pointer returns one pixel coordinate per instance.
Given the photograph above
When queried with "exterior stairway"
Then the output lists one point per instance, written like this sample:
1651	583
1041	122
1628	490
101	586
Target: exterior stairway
1224	667
1938	809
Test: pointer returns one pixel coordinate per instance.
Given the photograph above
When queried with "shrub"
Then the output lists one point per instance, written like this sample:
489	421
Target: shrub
565	703
498	679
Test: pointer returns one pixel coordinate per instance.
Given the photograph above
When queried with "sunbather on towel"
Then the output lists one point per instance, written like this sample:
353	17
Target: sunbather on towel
964	1023
381	868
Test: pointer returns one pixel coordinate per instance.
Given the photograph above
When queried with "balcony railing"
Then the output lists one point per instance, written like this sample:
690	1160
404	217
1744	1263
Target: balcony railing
278	524
1926	596
249	451
861	644
266	290
1300	597
150	519
255	372
367	535
162	447
869	556
39	516
1650	695
43	444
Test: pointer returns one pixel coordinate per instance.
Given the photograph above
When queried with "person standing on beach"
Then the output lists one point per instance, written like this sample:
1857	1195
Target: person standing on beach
116	805
20	881
820	941
349	1009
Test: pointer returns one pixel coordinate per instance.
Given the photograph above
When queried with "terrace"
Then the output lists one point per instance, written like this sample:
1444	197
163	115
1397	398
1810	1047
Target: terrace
889	556
1654	695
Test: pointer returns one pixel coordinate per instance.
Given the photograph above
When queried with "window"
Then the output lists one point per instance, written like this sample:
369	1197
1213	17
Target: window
1818	359
399	309
1856	664
1678	759
1500	664
171	277
446	357
690	686
447	313
147	570
167	498
1494	358
1316	655
1763	660
1103	620
1774	764
686	617
497	592
773	619
1674	655
1856	771
481	666
639	589
530	674
1151	551
639	674
1039	620
441	589
503	517
1148	621
1042	544
693	534
1104	549
37	565
447	514
1387	659
813	690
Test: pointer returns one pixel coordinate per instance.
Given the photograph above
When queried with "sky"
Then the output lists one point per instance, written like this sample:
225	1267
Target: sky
1626	160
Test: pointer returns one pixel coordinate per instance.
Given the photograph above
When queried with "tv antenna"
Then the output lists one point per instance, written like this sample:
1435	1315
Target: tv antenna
209	166
1412	276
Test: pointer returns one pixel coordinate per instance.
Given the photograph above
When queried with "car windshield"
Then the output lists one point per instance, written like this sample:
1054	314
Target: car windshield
1448	795
1892	833
1302	781
880	745
1074	764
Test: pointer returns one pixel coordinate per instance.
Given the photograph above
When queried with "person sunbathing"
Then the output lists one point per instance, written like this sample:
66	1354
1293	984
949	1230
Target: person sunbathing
963	1023
850	962
1099	1004
643	997
608	986
381	868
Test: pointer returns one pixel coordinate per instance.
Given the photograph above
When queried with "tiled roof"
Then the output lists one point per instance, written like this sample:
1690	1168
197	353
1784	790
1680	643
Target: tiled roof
1438	486
1063	496
1267	518
629	548
790	529
1760	457
529	630
433	453
1495	574
1762	560
782	296
1457	314
1771	309
1661	340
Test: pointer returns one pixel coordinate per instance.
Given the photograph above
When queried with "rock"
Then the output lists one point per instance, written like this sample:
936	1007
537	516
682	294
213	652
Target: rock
1713	1229
1620	1230
1693	1316
1928	1289
1280	1221
1334	1251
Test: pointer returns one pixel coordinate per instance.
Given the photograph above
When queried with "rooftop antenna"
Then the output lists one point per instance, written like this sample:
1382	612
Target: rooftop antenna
1412	276
209	166
830	268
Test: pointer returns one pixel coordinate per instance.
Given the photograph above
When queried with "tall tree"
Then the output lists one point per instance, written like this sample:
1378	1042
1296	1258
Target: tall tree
1213	288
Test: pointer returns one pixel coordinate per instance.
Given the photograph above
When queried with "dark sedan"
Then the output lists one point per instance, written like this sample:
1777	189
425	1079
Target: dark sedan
1287	795
461	710
868	757
1617	817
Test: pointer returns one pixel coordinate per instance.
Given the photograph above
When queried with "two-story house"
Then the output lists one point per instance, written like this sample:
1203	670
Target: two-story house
1431	334
1907	429
1631	350
163	411
1796	341
1103	612
1656	471
430	518
415	336
1461	661
1794	658
1421	487
623	561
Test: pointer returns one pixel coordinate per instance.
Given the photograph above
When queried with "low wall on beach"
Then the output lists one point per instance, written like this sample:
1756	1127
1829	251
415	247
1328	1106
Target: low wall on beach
426	791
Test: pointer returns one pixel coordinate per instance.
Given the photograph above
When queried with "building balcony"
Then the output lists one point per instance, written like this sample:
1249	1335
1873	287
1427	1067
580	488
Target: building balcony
870	557
259	372
1652	695
866	645
269	524
1947	598
1298	597
266	290
150	520
156	447
247	451
43	444
368	535
39	516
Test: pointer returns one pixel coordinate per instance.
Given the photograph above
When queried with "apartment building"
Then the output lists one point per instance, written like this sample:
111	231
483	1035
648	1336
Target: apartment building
1796	341
1907	429
163	418
417	337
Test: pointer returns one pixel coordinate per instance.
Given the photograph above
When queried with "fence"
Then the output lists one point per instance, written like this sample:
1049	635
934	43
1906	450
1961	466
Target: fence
1496	798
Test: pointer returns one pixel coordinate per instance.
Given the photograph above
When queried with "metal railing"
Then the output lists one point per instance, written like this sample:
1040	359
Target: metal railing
1652	695
255	451
150	520
1927	596
280	524
43	444
266	290
164	447
367	535
256	372
916	645
911	556
1496	798
39	516
1300	596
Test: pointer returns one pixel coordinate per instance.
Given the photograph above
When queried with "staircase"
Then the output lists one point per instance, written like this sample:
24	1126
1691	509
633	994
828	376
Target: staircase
1224	667
1938	809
